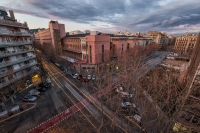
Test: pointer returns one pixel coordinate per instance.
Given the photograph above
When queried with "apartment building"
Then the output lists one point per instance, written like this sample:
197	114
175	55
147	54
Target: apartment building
160	38
87	53
189	117
18	63
49	39
185	43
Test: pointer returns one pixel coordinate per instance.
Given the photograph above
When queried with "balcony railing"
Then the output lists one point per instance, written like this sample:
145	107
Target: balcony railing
8	63
11	43
16	78
14	33
3	74
20	51
12	23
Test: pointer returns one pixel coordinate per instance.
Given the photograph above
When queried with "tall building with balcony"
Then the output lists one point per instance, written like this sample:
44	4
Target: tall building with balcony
160	38
18	63
50	39
189	116
186	43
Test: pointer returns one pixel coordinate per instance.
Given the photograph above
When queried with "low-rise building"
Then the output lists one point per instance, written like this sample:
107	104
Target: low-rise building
87	53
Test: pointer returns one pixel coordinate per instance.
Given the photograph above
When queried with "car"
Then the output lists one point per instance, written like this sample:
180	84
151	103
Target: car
45	85
34	92
84	76
93	77
136	118
29	98
119	88
127	104
126	94
42	89
89	77
75	75
86	80
79	77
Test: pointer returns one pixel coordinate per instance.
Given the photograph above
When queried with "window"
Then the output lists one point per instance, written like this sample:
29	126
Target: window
90	54
102	53
128	46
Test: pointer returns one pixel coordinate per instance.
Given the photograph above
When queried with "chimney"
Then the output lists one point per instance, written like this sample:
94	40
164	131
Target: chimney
12	14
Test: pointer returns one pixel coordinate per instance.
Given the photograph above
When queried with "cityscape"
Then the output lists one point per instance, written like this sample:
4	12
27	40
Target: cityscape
85	67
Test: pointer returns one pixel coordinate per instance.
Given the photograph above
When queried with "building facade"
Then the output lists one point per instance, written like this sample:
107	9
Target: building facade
185	43
49	39
159	38
18	63
87	53
189	117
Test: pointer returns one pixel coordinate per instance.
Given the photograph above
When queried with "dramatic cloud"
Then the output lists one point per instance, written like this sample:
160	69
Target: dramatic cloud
113	15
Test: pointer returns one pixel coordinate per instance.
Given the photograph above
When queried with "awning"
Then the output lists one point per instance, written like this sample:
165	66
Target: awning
68	59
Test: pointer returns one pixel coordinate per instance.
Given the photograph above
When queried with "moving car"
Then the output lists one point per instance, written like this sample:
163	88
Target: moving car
75	75
29	98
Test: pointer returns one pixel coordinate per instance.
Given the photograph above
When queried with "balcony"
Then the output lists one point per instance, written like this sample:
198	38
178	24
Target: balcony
3	74
12	23
11	33
8	63
14	43
73	50
16	78
20	51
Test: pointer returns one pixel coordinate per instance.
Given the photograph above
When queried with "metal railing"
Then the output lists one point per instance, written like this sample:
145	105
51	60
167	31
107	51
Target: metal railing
13	33
13	23
16	78
7	63
14	42
19	51
3	74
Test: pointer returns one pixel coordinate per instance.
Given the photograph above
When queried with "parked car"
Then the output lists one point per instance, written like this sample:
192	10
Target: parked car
93	77
86	80
45	85
34	92
119	88
79	77
42	89
136	118
127	104
89	77
29	98
75	75
126	94
84	76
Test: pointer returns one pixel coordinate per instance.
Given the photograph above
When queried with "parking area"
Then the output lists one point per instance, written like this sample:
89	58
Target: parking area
122	104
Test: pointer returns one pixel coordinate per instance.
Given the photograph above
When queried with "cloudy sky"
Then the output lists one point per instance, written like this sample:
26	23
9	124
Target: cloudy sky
171	16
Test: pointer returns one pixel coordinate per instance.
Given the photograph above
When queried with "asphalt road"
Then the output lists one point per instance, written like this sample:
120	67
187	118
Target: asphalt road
23	122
